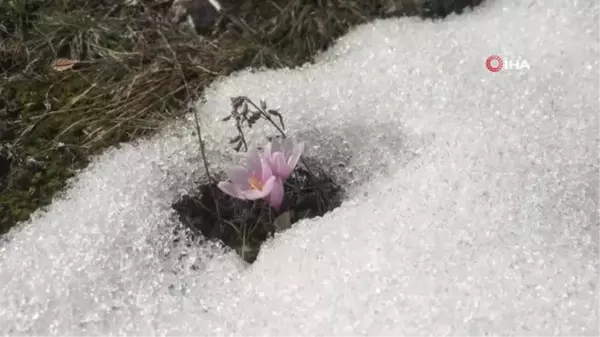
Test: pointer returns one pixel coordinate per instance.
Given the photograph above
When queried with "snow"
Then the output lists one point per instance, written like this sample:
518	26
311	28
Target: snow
473	205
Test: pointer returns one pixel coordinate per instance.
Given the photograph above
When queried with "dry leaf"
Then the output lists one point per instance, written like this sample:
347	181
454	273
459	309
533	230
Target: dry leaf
64	64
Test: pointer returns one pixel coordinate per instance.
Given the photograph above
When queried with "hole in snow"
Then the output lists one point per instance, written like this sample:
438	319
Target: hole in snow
275	188
244	225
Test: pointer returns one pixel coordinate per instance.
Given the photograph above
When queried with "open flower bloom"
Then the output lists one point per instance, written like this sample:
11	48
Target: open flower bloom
283	156
254	181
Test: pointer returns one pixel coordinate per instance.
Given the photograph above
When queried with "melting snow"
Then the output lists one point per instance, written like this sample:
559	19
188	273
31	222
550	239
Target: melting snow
473	206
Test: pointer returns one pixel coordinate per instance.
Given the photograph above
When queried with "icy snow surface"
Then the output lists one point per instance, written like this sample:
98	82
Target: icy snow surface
473	205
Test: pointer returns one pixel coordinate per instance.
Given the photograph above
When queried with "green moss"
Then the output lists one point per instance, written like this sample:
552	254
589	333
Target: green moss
88	110
30	186
136	72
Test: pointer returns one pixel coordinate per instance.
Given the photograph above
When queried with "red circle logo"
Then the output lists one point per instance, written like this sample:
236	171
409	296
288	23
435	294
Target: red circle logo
494	63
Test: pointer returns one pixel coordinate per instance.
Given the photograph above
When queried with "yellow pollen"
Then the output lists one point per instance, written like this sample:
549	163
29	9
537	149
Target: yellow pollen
256	184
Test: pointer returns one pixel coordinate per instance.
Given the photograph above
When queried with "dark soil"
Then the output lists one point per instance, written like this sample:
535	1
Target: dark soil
244	225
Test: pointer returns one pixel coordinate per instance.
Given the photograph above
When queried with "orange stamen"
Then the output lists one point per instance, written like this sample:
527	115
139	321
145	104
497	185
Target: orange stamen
255	183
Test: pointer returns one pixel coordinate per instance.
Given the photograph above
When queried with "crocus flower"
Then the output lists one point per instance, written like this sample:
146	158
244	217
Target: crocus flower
283	156
254	181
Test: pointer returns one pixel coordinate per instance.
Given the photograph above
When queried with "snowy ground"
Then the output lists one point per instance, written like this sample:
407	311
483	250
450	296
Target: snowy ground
474	207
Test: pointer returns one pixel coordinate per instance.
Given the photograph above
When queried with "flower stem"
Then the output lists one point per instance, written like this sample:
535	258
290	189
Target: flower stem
266	115
202	149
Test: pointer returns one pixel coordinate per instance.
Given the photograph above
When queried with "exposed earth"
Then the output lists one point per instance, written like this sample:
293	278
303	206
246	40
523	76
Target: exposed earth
79	76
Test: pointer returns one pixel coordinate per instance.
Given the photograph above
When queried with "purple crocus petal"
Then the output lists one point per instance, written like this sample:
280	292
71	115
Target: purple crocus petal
254	161
275	199
279	166
238	175
266	172
295	156
267	152
287	146
275	145
230	189
253	194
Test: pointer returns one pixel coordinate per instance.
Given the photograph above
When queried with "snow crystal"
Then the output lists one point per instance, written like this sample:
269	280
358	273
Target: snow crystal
473	205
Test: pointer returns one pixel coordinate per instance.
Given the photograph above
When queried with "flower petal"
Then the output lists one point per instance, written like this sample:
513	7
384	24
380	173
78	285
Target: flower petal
287	146
238	175
254	161
275	198
279	166
269	184
266	170
230	189
275	145
295	156
268	150
253	194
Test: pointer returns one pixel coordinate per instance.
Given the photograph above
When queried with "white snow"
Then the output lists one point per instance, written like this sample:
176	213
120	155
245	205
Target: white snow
473	206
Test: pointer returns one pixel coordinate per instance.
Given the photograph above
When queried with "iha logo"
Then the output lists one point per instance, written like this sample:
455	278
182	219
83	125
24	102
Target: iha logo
495	63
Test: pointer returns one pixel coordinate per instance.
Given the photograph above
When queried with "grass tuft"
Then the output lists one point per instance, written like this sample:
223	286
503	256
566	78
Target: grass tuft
134	69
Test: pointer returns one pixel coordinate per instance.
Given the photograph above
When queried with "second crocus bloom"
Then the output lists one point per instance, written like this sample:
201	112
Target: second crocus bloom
283	156
263	175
